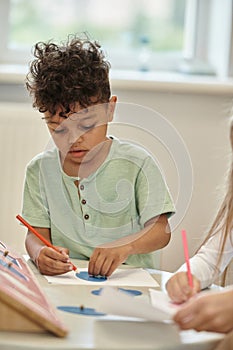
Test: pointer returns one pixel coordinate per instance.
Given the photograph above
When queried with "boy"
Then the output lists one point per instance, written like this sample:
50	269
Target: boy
92	196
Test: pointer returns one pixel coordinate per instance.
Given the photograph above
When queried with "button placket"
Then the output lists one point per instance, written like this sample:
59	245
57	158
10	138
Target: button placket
83	201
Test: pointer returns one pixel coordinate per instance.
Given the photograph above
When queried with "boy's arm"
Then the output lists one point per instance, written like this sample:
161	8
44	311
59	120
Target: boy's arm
48	261
34	245
155	235
106	258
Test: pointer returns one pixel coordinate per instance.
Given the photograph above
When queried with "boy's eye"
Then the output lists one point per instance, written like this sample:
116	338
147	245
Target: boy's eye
87	127
59	131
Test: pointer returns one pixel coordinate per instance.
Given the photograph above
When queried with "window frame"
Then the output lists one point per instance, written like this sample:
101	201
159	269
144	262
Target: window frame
195	47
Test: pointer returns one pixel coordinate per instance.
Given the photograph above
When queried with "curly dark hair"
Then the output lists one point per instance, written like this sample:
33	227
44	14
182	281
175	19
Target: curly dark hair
67	73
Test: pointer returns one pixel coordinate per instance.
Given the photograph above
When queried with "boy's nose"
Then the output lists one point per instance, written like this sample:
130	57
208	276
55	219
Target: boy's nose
74	136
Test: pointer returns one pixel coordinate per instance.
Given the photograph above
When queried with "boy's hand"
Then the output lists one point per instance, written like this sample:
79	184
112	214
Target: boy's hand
105	260
51	262
178	287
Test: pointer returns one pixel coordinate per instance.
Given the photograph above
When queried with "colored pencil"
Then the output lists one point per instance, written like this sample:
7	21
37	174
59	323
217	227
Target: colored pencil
47	243
186	255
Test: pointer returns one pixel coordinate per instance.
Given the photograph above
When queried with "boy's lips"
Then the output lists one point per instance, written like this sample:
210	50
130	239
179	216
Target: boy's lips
78	153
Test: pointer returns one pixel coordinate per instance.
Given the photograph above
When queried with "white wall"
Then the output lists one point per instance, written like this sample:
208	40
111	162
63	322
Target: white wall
200	119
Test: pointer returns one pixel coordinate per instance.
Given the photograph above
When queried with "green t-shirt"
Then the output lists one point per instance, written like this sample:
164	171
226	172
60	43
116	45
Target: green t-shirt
117	200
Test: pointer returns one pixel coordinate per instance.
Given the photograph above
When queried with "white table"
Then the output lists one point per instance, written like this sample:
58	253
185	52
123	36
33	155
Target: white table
87	332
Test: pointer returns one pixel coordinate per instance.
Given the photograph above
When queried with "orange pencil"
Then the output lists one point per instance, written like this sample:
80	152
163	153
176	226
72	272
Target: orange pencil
47	243
186	255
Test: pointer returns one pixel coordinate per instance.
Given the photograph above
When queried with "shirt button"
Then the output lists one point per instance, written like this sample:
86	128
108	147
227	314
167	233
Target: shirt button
83	201
81	187
86	216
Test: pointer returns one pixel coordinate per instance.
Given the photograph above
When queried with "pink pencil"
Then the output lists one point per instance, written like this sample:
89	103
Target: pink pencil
186	255
47	243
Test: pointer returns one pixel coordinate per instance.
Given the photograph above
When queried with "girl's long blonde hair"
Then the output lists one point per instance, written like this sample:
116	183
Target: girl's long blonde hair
224	219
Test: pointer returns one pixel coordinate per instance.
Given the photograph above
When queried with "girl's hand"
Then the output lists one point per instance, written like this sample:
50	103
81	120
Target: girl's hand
105	260
51	262
209	311
178	287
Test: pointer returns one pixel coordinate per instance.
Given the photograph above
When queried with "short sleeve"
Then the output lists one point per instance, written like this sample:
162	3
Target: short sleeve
152	194
35	207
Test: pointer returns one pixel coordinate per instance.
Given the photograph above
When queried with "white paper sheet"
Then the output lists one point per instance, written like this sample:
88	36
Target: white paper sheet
115	302
161	301
137	277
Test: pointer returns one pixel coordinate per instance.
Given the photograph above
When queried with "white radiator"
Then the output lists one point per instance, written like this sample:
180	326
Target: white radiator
22	135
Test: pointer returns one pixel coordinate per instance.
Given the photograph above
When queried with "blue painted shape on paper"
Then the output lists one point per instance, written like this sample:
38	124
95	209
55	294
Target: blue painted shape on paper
87	311
84	275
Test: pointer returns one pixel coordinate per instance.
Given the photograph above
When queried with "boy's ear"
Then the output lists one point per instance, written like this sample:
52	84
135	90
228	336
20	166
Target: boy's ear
111	107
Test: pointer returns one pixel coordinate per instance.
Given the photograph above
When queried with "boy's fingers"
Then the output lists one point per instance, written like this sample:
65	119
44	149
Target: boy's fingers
53	254
63	250
50	266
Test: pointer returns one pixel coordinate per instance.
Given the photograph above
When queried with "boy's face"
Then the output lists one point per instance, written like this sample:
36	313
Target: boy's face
81	134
